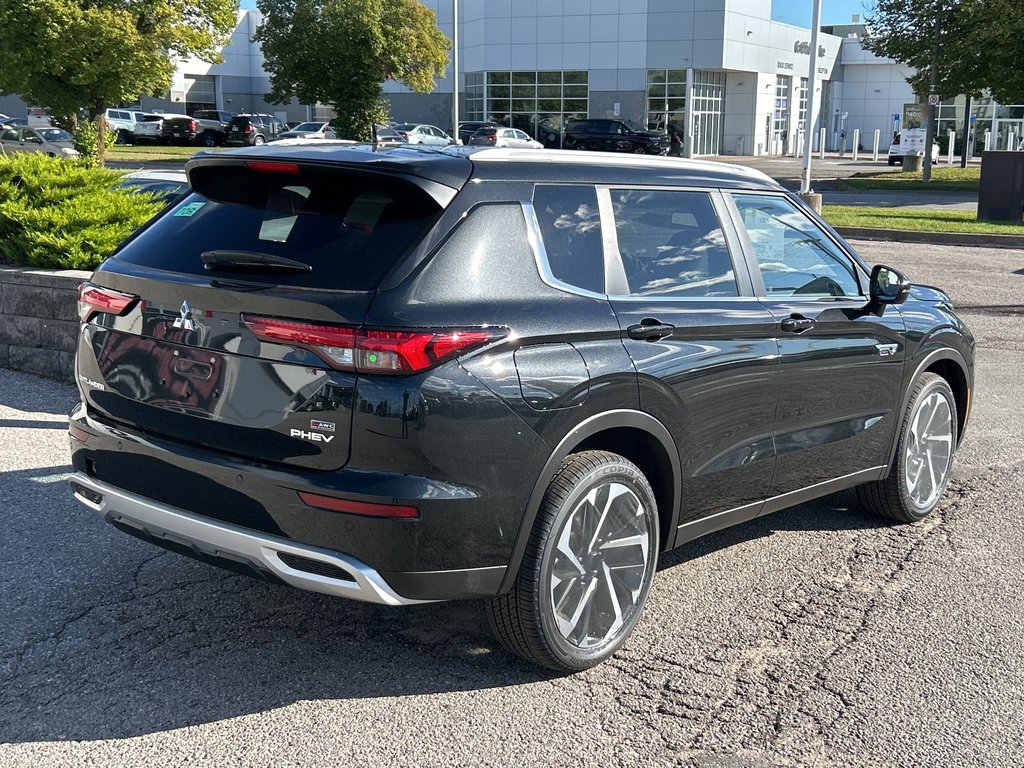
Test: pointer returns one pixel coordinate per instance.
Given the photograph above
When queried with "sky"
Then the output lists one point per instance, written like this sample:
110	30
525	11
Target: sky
790	11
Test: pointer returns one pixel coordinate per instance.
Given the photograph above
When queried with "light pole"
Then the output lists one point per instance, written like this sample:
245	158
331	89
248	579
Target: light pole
806	193
455	69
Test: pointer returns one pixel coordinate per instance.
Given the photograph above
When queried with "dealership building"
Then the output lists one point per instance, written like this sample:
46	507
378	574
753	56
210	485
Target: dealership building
722	73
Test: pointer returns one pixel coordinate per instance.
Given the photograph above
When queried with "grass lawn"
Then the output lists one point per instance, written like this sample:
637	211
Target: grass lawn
141	152
917	219
944	178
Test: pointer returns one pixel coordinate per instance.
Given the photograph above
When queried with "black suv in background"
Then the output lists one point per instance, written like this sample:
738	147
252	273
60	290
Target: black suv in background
614	136
253	129
419	374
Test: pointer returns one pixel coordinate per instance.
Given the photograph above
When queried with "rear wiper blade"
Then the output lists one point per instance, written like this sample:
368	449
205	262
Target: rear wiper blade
250	260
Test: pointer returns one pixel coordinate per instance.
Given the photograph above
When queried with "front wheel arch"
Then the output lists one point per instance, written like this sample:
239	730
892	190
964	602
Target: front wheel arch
631	434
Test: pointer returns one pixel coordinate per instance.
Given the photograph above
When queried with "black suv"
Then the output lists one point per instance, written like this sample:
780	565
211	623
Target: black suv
421	374
614	136
253	129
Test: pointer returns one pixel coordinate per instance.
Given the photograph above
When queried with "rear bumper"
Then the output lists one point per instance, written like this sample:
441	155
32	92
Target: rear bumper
311	568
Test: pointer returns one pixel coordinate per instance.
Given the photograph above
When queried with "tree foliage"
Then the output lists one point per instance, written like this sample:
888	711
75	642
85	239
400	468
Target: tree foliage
72	54
980	44
338	52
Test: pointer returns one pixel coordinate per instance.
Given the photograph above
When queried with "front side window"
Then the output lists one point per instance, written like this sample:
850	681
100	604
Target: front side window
570	226
672	244
795	258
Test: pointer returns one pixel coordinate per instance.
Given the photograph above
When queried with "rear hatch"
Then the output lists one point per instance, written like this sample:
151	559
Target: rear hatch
150	125
228	323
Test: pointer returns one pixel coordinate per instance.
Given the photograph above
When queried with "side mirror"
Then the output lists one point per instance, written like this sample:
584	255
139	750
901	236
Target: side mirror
888	286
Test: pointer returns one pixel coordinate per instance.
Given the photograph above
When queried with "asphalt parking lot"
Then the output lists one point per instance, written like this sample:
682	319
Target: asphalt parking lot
815	637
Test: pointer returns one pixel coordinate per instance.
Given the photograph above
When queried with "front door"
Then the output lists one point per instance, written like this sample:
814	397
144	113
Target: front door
842	365
703	346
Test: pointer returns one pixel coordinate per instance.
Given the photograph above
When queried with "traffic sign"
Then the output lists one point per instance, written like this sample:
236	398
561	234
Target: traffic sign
933	99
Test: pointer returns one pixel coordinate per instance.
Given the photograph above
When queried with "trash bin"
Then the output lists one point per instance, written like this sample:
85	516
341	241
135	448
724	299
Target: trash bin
1001	193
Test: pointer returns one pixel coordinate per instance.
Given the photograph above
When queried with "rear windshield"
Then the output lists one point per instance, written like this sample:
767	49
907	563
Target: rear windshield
349	228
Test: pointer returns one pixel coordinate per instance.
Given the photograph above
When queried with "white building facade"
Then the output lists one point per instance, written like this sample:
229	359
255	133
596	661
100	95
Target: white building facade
722	73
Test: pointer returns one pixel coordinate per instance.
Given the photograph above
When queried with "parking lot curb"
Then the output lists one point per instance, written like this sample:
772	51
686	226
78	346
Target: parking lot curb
932	238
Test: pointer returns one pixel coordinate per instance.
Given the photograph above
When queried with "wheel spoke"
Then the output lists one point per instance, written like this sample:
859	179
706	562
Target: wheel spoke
566	626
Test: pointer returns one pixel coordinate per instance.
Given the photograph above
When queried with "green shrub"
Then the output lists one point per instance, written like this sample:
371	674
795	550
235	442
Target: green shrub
64	214
87	141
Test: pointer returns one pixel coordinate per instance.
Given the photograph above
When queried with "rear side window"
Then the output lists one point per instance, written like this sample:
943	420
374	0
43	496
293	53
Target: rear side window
571	229
349	228
672	244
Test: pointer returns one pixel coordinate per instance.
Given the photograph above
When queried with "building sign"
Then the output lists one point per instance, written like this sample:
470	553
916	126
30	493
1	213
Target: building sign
802	46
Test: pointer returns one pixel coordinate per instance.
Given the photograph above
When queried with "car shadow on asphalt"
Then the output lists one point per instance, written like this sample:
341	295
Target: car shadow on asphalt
109	637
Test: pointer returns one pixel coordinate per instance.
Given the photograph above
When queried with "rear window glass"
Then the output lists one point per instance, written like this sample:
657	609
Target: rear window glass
349	228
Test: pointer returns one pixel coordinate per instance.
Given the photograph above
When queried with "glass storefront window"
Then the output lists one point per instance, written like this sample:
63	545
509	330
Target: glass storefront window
539	103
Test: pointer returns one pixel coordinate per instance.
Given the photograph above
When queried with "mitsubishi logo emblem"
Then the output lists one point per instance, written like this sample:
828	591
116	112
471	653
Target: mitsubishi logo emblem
184	320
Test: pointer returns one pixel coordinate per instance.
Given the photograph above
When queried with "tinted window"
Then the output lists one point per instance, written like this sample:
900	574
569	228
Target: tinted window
672	244
10	134
571	228
348	228
793	255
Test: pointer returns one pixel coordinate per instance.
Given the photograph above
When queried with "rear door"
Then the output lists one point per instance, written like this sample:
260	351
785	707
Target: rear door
242	300
703	346
842	360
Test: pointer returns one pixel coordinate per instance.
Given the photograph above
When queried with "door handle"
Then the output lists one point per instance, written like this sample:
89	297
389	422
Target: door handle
649	329
797	324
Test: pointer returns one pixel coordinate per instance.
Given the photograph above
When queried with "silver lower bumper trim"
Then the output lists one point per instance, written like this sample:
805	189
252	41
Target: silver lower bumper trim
216	538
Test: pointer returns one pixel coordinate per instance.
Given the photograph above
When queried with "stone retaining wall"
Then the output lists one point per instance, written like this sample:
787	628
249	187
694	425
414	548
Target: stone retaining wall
39	320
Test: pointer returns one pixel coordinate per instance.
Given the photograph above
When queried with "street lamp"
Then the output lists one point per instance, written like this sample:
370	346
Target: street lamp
455	68
806	193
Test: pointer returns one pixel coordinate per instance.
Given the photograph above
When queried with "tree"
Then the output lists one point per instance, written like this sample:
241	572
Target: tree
339	52
73	54
973	46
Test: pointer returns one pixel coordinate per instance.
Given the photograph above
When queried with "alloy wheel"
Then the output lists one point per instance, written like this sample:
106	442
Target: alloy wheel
929	450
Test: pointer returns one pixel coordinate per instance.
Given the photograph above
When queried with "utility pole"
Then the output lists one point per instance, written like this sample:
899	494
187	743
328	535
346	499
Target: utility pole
933	96
806	193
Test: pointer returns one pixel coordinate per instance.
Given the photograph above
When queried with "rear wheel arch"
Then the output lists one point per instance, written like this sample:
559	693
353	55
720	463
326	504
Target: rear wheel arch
634	435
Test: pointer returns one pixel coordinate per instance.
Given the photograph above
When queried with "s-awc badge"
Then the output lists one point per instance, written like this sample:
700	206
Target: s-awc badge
326	426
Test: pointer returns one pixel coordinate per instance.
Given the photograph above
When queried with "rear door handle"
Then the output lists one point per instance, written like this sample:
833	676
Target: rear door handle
649	329
797	324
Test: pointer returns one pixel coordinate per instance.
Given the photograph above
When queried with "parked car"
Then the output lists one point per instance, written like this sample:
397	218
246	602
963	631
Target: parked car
211	126
468	128
419	133
516	375
614	136
55	142
121	123
896	153
386	136
14	122
253	129
309	130
148	129
165	185
503	137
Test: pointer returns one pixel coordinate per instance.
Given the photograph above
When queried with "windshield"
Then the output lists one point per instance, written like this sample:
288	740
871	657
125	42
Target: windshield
56	134
307	127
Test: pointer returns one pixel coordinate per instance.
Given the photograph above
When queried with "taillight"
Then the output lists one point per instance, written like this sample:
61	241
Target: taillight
263	166
492	138
249	128
372	350
404	133
368	509
193	128
93	298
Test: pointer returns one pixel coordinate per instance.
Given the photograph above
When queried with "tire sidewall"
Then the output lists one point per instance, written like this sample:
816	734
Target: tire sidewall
939	385
610	471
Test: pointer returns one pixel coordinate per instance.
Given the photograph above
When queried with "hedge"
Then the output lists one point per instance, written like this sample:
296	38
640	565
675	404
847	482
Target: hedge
64	214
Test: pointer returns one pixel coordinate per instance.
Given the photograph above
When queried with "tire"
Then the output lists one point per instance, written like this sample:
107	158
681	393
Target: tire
549	617
924	455
125	137
258	140
639	149
892	161
208	139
